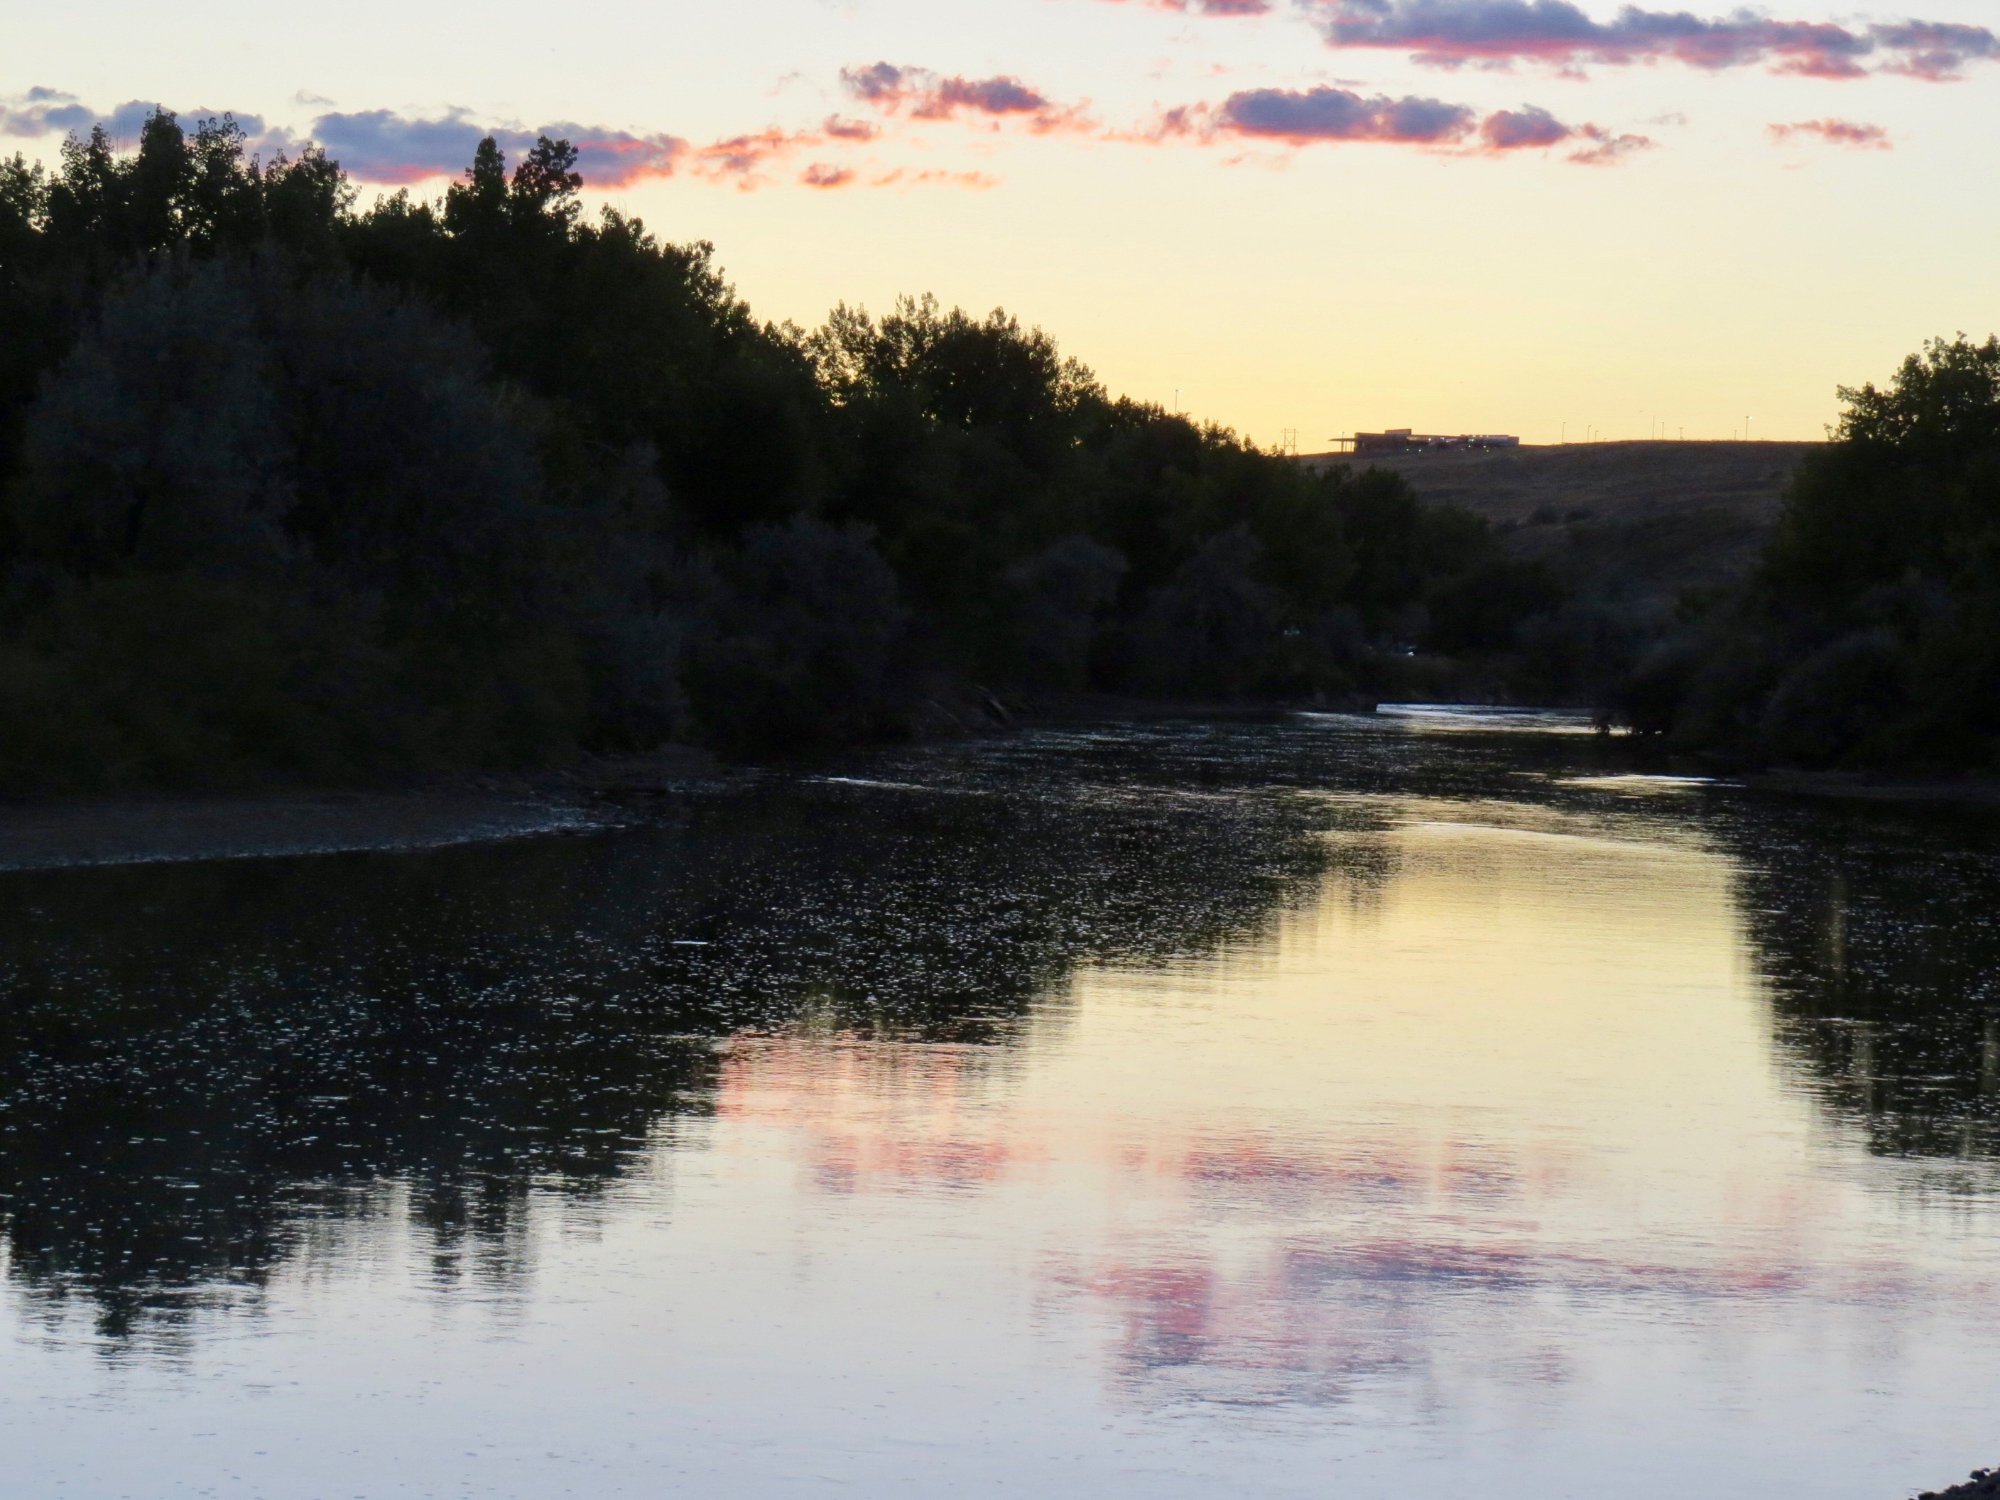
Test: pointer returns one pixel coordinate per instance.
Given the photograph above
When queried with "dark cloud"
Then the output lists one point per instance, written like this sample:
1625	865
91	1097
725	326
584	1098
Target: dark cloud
1331	114
1531	128
1452	33
1851	133
46	111
373	145
877	83
1513	129
381	145
1936	51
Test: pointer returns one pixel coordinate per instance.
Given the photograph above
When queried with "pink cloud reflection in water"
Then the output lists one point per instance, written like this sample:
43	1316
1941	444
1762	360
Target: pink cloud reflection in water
1332	1178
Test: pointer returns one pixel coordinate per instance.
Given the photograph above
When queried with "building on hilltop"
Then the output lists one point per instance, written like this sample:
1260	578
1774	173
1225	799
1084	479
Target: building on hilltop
1402	440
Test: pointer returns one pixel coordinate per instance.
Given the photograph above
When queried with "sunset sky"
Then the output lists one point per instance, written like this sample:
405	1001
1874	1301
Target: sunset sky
1320	215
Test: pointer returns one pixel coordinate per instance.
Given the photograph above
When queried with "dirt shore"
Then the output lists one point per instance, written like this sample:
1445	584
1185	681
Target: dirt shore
600	792
166	828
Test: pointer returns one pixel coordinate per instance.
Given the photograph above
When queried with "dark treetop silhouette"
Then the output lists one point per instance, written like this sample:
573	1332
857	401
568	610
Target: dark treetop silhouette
294	488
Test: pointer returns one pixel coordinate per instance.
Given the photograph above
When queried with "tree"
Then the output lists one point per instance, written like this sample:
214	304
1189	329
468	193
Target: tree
478	205
154	446
1871	632
545	188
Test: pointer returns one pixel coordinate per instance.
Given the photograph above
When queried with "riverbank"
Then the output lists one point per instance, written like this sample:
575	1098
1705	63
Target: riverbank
167	828
599	792
1855	786
437	812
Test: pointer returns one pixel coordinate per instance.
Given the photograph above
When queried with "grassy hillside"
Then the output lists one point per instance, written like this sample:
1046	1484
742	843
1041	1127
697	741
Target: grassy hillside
1635	522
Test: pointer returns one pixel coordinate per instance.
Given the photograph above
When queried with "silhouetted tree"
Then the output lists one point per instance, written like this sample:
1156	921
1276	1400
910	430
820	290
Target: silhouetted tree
1871	632
482	479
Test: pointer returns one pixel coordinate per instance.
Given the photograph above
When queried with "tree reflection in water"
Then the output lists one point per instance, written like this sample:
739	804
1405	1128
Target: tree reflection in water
1878	937
205	1069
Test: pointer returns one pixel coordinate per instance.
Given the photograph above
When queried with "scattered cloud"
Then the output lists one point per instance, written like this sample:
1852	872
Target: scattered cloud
1850	133
840	128
381	145
935	177
391	148
374	145
1325	114
1498	33
46	111
924	95
741	158
1321	114
1604	148
1511	129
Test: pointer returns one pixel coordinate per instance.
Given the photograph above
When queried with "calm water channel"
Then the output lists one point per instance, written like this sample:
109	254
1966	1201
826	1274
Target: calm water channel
1339	1108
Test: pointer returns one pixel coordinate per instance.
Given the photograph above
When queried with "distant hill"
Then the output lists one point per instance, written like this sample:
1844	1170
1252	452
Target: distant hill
1639	521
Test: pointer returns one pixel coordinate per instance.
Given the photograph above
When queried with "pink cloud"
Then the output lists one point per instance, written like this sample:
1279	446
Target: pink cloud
1607	147
741	158
1851	133
935	177
925	95
841	128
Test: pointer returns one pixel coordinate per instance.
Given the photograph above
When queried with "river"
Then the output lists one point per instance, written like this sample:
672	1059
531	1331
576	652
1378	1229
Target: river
1418	1104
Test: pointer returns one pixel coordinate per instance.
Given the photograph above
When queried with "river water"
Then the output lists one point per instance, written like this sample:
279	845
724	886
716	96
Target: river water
1423	1104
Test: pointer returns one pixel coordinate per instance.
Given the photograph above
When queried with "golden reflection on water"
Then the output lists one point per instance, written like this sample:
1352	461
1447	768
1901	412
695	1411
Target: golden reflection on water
1501	1099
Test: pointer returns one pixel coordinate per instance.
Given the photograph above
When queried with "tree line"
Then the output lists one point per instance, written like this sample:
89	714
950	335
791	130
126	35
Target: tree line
1869	634
294	487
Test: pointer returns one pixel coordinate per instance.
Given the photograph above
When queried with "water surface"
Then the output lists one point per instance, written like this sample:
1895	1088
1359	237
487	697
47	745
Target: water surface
1340	1107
